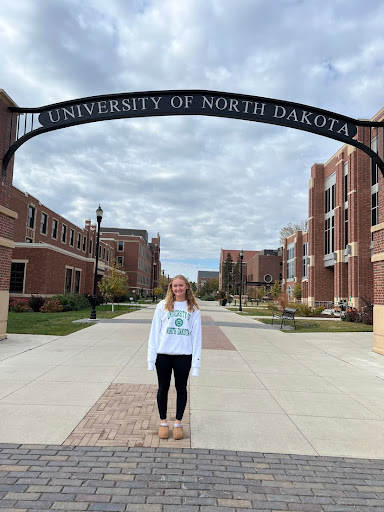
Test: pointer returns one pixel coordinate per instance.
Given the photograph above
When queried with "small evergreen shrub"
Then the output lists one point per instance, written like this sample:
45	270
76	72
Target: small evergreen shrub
208	297
52	306
36	302
319	310
18	305
72	301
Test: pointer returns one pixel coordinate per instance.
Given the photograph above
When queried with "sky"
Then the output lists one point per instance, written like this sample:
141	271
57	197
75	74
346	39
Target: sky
203	183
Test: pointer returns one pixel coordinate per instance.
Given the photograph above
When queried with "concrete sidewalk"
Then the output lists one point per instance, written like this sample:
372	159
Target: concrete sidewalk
259	390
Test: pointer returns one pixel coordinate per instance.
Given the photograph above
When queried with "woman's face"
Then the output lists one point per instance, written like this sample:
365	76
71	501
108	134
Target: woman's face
179	288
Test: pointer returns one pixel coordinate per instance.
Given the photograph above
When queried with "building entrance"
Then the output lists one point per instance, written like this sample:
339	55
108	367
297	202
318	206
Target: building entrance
19	124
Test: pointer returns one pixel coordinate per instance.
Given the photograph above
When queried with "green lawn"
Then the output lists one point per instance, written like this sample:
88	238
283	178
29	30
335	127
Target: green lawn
313	325
59	324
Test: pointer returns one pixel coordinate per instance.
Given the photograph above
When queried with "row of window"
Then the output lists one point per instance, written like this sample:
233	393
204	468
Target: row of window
81	240
71	284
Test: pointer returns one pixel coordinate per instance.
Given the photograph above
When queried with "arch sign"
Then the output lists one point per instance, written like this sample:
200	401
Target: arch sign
191	102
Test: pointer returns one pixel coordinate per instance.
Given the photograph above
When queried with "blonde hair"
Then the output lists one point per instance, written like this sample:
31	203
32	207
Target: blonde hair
189	296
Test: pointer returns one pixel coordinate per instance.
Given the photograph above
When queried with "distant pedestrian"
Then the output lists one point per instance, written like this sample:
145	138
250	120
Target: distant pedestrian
175	344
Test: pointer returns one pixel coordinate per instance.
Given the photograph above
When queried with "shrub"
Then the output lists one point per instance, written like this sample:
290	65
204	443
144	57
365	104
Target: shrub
52	306
18	305
36	302
367	313
99	299
208	297
351	315
304	310
282	300
319	310
72	301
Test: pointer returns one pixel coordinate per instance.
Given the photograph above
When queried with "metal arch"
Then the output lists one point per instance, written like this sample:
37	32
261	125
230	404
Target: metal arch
80	111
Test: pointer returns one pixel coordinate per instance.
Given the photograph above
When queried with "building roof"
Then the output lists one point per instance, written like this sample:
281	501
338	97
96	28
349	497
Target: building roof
127	232
235	254
207	274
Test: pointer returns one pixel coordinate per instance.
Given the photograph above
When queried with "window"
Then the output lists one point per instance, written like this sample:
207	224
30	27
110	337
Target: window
64	233
374	170
120	260
84	243
120	246
77	281
71	237
90	247
305	259
44	223
375	206
78	240
291	261
346	227
329	214
108	256
345	204
17	278
374	187
54	228
31	217
104	253
267	278
68	280
28	240
100	249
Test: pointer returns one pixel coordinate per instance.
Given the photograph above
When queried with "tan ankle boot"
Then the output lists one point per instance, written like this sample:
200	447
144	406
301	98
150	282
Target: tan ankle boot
178	433
163	432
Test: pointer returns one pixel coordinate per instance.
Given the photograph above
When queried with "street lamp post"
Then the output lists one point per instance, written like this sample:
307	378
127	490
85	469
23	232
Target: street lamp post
241	276
163	284
154	281
99	216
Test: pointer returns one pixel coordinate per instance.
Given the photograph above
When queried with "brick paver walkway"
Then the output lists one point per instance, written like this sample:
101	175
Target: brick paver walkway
71	478
127	414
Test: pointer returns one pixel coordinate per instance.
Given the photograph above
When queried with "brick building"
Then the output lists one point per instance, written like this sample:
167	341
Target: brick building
333	260
139	258
53	256
260	268
264	268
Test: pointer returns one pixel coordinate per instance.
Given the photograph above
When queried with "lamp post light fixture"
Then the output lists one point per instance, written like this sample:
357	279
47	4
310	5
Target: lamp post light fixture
99	216
241	277
163	284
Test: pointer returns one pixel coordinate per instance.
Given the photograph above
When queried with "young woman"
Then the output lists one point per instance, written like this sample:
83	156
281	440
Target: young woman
175	344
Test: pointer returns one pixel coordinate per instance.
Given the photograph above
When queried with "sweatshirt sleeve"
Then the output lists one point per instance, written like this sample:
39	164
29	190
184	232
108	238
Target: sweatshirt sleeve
153	340
196	343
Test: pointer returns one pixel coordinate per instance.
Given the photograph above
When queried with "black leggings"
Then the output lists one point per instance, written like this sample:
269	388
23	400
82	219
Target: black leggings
181	365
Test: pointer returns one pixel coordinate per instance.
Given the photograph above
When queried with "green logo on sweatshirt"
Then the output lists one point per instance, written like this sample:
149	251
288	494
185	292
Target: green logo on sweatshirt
179	322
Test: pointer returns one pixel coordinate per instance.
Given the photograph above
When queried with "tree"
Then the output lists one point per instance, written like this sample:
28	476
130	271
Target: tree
210	287
227	272
193	286
237	274
114	283
291	228
275	289
297	293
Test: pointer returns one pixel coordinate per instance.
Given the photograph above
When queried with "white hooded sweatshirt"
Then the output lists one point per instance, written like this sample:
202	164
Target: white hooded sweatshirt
175	332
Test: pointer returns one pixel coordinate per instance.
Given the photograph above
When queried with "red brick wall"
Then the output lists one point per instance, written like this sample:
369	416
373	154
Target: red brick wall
6	222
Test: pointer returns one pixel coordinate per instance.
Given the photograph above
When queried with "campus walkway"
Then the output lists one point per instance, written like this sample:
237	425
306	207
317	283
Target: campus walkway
275	421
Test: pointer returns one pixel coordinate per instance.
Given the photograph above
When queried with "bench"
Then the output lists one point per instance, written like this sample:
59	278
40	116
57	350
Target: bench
133	303
286	314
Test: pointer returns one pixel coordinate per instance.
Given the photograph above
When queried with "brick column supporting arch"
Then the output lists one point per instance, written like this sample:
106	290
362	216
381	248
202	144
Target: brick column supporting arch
378	271
7	216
